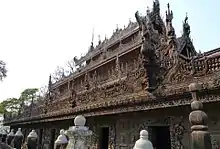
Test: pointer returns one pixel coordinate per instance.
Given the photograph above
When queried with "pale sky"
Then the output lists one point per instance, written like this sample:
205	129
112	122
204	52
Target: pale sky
36	36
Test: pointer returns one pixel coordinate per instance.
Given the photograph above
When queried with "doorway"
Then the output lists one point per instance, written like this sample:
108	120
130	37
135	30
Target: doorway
160	137
53	131
25	135
40	139
103	138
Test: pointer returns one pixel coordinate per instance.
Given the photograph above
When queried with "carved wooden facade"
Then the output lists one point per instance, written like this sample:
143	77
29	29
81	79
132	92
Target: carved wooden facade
135	80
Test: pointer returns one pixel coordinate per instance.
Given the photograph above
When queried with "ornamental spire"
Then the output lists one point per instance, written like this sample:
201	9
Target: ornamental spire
92	46
156	7
169	27
169	14
49	83
186	27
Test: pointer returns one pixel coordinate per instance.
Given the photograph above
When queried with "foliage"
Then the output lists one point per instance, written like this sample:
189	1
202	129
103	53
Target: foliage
3	70
62	72
43	91
58	74
28	95
2	108
13	105
71	66
10	104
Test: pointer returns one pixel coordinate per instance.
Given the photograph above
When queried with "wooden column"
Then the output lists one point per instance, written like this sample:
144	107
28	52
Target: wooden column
200	135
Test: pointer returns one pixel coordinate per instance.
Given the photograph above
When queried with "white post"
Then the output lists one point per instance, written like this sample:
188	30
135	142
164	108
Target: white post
19	133
78	134
18	139
143	142
10	137
32	140
4	135
11	133
61	141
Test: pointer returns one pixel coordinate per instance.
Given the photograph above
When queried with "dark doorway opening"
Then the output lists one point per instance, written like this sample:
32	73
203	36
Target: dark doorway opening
40	138
160	137
103	138
53	131
25	134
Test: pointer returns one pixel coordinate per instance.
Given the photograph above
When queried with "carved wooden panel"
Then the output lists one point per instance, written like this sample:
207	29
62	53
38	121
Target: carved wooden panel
46	138
215	141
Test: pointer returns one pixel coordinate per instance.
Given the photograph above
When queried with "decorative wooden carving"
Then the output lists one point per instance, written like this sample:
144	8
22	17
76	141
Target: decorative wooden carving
177	133
215	143
112	136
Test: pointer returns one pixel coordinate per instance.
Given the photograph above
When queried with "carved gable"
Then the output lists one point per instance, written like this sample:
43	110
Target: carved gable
165	57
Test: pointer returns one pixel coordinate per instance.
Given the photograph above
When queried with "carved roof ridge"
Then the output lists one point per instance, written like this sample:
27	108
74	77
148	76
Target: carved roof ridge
209	54
211	51
116	36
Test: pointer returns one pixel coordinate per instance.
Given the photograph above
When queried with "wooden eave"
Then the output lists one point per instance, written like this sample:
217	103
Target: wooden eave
177	96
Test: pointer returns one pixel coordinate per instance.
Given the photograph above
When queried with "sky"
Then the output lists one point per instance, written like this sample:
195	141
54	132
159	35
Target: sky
37	36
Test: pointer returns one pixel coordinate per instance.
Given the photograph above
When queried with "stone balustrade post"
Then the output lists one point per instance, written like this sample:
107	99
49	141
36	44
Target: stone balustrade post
4	136
18	139
65	133
200	135
10	137
78	135
32	139
61	142
143	142
1	136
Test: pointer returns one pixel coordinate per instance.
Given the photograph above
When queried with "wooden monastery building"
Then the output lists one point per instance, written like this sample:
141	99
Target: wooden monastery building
137	79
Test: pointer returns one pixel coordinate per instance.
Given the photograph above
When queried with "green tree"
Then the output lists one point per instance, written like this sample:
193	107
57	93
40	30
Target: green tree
14	105
29	95
3	70
2	108
10	105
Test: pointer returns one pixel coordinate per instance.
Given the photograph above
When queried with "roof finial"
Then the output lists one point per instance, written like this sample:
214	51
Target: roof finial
169	14
99	39
49	83
186	27
91	46
129	21
186	18
148	11
92	36
117	28
156	7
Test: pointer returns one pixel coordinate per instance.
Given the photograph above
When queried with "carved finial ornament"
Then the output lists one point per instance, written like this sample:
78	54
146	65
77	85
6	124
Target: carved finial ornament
186	27
33	134
19	133
169	14
11	133
99	39
200	136
61	139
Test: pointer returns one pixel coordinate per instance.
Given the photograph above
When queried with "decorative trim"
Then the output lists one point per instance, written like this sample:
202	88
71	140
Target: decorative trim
140	106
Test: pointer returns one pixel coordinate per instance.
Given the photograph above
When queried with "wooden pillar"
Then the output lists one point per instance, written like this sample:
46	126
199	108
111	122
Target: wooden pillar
200	135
